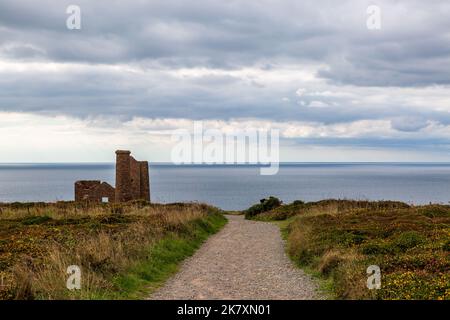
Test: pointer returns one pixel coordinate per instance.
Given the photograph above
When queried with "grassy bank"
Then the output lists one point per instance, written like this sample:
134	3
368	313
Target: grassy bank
337	240
123	251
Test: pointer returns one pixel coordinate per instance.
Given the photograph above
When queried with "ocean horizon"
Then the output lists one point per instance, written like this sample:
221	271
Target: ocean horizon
237	186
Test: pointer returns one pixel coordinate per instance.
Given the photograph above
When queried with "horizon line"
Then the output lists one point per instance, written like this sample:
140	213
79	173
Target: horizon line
233	164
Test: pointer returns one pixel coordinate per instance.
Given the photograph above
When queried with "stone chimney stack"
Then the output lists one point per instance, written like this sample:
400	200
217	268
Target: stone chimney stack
123	176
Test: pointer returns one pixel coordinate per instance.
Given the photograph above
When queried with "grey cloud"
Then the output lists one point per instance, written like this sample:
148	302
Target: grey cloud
100	91
155	37
424	143
409	124
22	51
411	49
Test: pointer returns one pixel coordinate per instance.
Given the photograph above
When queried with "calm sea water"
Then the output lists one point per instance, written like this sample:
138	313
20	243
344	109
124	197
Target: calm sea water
237	187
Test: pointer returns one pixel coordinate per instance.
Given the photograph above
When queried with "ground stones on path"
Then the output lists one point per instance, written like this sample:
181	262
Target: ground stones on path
245	260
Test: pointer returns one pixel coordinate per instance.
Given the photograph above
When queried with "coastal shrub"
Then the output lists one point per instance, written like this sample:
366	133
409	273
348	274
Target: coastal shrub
283	212
375	247
349	239
408	240
264	205
35	220
446	246
435	211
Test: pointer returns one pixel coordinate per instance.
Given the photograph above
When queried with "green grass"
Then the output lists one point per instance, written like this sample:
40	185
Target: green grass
284	226
326	285
163	259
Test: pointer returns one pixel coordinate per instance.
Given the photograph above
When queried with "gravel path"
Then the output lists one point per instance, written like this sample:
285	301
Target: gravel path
245	260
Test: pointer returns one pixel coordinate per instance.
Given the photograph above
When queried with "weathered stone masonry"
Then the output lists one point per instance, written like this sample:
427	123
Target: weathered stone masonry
93	191
132	182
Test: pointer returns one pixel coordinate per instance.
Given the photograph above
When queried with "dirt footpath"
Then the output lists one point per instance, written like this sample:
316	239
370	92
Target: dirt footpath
245	260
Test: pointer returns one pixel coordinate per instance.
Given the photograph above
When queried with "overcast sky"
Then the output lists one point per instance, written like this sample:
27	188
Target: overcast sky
137	70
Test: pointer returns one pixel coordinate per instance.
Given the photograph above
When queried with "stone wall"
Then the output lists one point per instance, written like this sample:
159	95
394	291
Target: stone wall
94	191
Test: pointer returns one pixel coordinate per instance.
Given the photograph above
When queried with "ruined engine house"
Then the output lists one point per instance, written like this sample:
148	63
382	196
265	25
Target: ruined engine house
132	182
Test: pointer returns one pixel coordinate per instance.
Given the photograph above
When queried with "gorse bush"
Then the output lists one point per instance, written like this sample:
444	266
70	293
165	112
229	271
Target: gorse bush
264	206
408	240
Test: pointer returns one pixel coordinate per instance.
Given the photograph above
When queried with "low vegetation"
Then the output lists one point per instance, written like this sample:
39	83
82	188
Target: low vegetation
264	206
123	251
338	239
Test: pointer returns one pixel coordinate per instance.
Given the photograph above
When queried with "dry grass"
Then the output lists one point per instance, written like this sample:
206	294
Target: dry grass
329	206
38	243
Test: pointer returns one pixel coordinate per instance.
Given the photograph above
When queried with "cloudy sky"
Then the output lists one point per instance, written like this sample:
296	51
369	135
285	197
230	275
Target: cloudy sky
137	70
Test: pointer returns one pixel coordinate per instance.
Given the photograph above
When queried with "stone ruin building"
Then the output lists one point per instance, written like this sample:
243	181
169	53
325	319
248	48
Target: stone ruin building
132	183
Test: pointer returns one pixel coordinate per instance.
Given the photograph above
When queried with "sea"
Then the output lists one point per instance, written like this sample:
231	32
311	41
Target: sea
236	187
